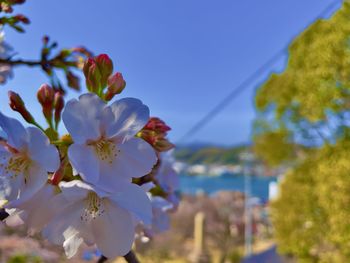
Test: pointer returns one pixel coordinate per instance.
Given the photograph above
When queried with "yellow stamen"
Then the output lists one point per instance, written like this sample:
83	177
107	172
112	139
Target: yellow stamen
105	149
94	207
16	165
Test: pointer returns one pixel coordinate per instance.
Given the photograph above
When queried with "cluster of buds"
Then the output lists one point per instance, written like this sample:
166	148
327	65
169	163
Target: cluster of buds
52	104
6	5
66	60
15	21
155	132
98	73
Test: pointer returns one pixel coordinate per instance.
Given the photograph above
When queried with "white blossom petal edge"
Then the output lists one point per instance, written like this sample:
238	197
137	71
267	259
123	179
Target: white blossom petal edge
105	150
25	159
97	217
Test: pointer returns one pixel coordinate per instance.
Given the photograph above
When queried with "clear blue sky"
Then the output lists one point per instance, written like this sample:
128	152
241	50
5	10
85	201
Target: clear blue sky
180	57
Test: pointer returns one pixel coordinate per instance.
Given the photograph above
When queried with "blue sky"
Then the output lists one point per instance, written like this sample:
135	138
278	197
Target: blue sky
179	57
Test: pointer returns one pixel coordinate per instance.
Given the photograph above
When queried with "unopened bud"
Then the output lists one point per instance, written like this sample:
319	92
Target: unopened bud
105	65
163	145
46	96
59	105
156	124
17	104
116	85
73	80
92	75
46	40
22	18
82	50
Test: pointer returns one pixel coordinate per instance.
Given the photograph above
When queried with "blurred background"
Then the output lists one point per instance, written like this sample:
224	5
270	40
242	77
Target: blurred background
257	94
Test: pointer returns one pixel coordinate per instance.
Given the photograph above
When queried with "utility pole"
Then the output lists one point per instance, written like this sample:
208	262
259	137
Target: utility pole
247	159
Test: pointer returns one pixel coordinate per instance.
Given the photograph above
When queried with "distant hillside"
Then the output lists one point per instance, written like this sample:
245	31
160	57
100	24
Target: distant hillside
209	154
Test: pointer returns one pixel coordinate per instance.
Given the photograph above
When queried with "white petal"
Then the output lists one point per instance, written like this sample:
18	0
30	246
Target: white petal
82	117
41	208
75	190
148	186
167	176
70	216
72	242
35	179
161	203
41	150
130	117
16	134
84	161
135	159
161	222
16	217
134	199
113	231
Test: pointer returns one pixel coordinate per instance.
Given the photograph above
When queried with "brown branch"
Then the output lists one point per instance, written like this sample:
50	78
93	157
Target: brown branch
54	63
30	63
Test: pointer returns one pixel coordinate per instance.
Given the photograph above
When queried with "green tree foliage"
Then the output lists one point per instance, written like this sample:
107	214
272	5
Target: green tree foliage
210	155
304	122
312	214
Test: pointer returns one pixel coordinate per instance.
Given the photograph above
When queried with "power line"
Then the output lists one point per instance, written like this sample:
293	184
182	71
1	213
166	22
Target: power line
249	80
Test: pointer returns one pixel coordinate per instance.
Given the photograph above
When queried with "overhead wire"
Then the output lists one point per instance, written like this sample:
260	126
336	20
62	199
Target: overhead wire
247	82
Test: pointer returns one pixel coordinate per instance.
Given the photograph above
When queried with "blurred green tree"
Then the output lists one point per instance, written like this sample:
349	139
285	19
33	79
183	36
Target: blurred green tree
303	123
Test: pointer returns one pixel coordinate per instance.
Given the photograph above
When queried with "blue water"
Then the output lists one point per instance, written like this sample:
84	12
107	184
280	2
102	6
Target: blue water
210	185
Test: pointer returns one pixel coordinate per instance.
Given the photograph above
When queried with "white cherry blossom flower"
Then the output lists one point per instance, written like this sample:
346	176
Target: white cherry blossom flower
168	179
36	212
161	219
166	175
93	216
105	148
25	159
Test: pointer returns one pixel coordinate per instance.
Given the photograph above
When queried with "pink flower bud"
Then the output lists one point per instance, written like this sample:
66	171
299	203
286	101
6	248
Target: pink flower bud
105	65
73	80
46	96
17	104
59	105
82	50
22	18
92	75
116	85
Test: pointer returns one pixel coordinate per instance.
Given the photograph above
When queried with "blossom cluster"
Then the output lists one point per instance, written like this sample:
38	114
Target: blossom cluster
99	182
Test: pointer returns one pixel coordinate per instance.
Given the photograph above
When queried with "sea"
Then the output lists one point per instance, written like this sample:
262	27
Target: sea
229	182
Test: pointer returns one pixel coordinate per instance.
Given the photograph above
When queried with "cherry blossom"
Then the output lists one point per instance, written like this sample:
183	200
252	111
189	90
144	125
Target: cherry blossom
91	215
161	219
105	149
26	157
